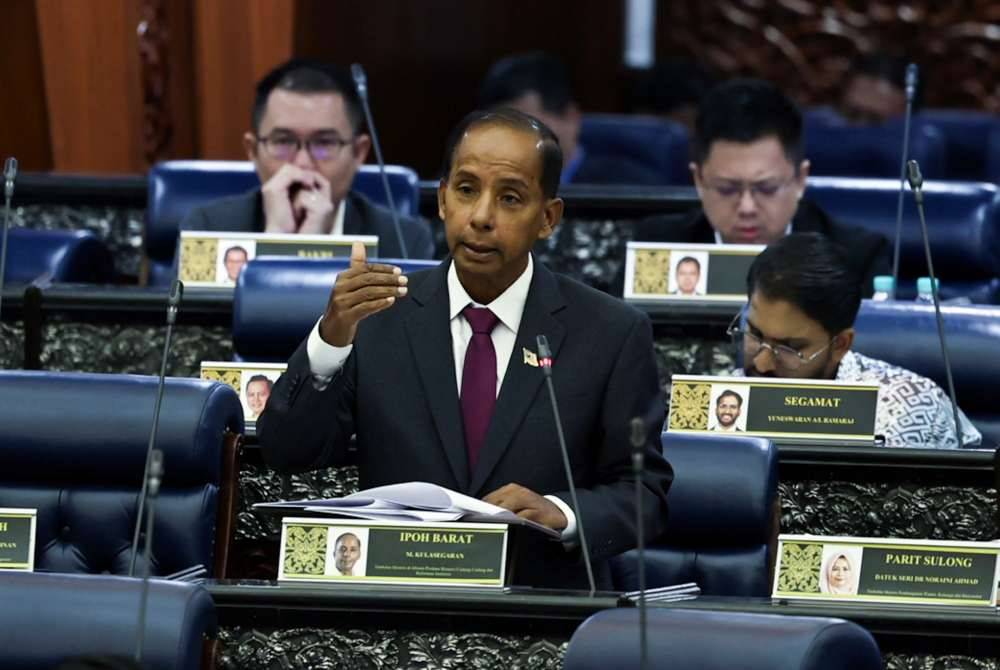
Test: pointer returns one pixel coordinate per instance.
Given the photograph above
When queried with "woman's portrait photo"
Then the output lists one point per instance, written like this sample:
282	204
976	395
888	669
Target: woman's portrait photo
841	570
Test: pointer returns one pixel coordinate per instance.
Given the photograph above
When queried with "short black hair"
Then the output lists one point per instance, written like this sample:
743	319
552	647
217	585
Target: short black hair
732	394
551	153
308	77
744	111
535	72
812	272
260	378
689	259
235	247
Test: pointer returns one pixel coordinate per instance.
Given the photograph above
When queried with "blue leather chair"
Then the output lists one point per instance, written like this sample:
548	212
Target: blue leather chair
278	301
905	334
177	187
73	446
836	148
58	617
966	136
656	144
59	256
680	638
963	221
722	524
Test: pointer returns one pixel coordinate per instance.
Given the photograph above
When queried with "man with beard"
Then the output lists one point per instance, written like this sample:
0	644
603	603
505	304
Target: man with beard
804	297
727	411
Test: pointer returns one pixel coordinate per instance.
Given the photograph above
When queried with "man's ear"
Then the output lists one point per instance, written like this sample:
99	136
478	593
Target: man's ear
250	146
842	343
361	146
552	212
442	188
696	177
802	176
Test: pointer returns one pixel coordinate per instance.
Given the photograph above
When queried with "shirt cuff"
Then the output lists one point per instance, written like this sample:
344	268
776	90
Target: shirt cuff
569	533
325	360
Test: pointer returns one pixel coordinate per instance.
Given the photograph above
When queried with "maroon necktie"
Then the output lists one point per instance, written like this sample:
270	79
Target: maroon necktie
479	380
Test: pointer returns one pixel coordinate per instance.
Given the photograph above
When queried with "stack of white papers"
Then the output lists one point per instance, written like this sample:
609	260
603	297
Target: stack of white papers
410	501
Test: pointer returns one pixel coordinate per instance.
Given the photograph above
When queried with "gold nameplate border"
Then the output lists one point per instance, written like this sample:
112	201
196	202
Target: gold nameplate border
652	272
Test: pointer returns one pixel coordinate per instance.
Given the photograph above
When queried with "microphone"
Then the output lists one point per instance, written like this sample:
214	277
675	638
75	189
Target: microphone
153	479
637	437
545	362
9	175
911	91
361	83
916	185
173	302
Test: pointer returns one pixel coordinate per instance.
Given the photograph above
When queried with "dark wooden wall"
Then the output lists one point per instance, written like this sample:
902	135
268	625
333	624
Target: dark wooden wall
114	85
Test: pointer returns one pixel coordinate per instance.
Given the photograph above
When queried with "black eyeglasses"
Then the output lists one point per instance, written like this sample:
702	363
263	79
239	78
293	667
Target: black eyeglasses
284	147
785	357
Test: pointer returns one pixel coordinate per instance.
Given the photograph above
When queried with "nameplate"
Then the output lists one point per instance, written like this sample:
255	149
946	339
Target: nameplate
886	570
785	410
209	259
252	381
17	539
385	552
664	272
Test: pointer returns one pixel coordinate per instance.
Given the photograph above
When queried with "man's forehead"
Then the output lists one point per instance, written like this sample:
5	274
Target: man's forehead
760	158
295	110
512	151
781	319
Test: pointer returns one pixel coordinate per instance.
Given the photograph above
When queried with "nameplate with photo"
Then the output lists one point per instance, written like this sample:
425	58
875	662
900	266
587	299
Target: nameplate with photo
416	553
800	411
252	381
210	259
17	538
878	570
665	272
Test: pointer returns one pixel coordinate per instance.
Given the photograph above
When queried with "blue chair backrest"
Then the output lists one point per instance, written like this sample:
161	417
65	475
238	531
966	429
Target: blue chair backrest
966	138
50	618
721	521
835	148
707	640
59	256
963	221
73	446
278	301
177	187
905	334
656	144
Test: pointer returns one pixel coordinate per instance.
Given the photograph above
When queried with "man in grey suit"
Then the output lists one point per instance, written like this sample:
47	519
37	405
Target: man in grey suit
307	143
437	373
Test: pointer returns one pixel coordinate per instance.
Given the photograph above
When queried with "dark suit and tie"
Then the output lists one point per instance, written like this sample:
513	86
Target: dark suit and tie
398	388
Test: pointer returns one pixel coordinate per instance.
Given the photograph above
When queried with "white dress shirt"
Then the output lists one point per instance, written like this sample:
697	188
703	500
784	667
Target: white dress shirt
326	360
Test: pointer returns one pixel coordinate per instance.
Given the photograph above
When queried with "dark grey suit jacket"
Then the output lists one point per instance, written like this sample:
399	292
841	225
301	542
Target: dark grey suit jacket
245	214
397	392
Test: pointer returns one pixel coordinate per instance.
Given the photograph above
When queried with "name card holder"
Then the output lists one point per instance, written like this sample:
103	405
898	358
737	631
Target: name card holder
251	381
657	272
17	538
410	553
879	570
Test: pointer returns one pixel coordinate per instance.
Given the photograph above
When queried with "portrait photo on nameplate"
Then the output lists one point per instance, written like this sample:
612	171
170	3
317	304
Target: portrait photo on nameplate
17	538
667	272
252	381
415	553
213	260
860	569
785	410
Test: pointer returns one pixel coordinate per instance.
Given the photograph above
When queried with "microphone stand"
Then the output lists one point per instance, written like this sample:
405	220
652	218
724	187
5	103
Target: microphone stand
153	480
638	440
361	82
911	88
545	362
9	175
916	184
174	300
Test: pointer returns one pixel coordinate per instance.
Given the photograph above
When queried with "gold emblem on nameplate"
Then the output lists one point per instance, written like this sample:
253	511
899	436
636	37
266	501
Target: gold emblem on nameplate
530	358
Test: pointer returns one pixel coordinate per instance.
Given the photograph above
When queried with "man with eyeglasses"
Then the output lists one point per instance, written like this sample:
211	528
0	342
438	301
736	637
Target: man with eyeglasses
804	297
750	172
307	144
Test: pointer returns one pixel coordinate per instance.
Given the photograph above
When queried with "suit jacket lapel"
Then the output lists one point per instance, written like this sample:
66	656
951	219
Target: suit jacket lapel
522	382
429	333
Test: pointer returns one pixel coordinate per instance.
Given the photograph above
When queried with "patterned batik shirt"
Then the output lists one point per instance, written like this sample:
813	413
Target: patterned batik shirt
912	411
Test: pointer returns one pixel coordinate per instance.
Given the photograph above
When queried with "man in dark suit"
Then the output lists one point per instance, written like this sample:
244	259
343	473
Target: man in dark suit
437	373
537	83
750	174
307	144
